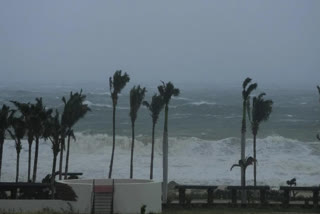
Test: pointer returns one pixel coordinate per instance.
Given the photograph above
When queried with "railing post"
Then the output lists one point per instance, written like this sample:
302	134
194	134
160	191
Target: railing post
286	197
210	195
182	195
262	196
315	198
234	196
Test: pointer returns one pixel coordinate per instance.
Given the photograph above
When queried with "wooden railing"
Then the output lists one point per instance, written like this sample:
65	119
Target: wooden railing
315	191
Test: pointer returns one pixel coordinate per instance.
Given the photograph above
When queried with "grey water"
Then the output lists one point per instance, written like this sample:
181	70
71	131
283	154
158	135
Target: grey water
204	135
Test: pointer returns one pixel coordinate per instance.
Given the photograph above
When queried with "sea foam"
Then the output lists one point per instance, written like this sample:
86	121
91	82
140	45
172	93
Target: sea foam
191	160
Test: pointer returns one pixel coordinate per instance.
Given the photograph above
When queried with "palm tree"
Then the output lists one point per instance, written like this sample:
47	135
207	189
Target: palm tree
260	111
247	162
26	109
19	130
5	118
246	91
74	110
166	91
52	131
136	97
155	107
39	119
318	135
116	84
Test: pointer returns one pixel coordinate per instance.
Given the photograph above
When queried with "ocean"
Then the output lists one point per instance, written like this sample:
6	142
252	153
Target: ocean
204	136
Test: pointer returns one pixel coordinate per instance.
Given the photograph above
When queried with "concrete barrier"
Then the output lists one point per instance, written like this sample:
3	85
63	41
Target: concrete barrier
129	196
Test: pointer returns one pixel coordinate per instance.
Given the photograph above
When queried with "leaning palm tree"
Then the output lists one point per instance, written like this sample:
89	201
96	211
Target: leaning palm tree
116	84
155	107
136	97
74	110
5	118
52	131
246	91
166	91
26	109
40	116
259	112
18	131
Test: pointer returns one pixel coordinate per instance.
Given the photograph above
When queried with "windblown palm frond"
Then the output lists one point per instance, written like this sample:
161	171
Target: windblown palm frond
246	82
136	97
167	91
261	110
5	114
155	107
249	161
117	83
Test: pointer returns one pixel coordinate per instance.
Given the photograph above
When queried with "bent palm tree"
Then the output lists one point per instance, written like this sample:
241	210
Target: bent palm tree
19	130
166	91
74	110
155	107
5	118
26	109
136	97
116	84
260	111
53	130
246	91
39	119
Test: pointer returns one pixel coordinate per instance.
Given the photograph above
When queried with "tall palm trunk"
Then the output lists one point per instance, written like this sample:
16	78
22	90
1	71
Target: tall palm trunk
132	148
1	153
165	157
113	139
35	164
18	161
67	158
255	162
53	174
29	157
152	152
61	157
243	154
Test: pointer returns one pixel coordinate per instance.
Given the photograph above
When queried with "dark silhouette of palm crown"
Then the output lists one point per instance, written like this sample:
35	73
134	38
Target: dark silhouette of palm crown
155	107
136	97
167	91
261	110
116	84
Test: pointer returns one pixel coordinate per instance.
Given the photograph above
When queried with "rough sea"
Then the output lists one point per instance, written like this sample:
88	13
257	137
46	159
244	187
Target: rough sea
204	136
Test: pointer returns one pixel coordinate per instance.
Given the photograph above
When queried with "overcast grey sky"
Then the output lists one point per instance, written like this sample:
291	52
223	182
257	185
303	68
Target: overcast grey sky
183	41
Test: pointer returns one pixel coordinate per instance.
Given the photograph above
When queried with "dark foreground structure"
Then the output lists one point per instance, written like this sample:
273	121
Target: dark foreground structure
206	195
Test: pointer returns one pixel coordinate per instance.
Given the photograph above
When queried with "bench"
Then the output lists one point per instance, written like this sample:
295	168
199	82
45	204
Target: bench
71	174
315	190
263	190
182	192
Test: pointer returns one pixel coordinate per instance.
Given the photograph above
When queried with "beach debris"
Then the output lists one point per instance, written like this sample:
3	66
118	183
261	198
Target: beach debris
292	182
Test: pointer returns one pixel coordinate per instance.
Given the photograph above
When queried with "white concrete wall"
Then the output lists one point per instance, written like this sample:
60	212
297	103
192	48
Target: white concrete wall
84	197
129	198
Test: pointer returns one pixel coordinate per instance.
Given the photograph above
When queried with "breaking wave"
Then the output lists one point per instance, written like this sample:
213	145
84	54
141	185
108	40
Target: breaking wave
191	160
